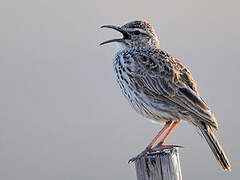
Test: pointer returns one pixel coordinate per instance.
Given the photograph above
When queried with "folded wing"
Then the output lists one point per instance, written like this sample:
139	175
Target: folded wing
165	77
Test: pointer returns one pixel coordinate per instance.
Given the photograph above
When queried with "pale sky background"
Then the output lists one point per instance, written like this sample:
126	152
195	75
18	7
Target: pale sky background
62	116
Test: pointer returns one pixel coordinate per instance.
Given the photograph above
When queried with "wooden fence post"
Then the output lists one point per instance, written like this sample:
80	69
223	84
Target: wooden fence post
161	165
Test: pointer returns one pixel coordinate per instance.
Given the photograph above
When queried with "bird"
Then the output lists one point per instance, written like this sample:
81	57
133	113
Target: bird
159	87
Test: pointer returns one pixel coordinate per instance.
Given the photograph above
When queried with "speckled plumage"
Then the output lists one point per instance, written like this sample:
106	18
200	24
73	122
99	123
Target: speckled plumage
158	86
151	80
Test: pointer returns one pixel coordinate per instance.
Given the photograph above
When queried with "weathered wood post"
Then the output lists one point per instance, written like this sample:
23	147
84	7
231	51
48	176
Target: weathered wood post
160	165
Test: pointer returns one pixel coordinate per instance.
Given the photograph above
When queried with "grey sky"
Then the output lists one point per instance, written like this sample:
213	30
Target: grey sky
62	114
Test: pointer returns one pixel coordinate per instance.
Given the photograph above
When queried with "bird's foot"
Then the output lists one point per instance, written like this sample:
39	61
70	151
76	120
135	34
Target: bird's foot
160	147
147	151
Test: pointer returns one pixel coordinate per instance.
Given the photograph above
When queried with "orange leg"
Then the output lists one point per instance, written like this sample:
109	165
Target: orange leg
159	134
174	124
150	146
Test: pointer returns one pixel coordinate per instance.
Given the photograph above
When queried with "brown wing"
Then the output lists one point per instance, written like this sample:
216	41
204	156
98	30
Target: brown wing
166	77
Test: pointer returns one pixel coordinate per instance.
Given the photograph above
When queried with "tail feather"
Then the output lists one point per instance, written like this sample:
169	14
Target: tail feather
215	146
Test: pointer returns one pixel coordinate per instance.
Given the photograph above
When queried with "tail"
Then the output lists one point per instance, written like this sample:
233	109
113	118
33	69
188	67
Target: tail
215	146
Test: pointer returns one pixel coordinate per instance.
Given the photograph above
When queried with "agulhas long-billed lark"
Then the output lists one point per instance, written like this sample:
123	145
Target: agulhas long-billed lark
159	87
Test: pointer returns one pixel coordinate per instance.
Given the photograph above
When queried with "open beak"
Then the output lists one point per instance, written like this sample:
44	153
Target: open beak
117	28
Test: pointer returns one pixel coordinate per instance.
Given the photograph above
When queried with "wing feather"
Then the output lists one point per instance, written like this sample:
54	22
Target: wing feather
164	76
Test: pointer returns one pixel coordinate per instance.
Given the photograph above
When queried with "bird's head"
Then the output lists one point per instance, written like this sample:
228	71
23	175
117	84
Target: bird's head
135	34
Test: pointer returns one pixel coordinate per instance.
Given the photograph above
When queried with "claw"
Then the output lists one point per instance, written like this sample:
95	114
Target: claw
147	151
142	154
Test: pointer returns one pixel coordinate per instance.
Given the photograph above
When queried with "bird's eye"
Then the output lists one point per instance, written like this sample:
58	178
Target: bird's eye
136	32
